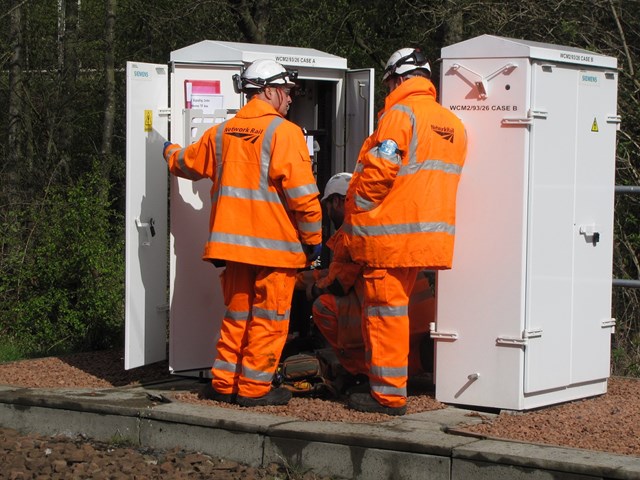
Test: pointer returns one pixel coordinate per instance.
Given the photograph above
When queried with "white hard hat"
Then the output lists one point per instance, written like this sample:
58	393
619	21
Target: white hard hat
262	73
337	184
404	61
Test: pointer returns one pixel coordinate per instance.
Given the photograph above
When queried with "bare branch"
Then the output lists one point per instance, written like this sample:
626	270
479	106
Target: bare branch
622	37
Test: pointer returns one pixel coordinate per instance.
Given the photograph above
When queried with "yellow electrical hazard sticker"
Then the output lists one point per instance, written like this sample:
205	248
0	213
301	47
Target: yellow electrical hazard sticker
594	125
148	120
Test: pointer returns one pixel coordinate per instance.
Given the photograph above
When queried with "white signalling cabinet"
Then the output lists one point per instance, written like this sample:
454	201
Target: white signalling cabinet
524	316
174	303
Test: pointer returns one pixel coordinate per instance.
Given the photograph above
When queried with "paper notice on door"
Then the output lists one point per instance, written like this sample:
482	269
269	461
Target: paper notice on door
203	95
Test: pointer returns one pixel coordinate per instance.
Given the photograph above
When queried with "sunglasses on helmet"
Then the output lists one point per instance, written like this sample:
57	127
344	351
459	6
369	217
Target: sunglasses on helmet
414	58
239	83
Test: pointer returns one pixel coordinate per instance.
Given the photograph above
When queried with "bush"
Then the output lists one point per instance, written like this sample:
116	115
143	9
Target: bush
63	289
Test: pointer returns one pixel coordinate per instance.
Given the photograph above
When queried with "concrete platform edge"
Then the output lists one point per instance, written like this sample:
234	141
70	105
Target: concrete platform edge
414	446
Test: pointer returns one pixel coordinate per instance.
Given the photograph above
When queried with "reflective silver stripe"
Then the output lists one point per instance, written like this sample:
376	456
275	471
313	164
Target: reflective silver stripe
387	311
219	157
430	165
395	158
368	205
226	366
390	372
399	229
412	154
183	167
321	311
256	374
262	193
324	321
301	191
439	165
255	242
231	315
321	308
272	315
249	194
265	153
388	390
310	226
359	168
363	204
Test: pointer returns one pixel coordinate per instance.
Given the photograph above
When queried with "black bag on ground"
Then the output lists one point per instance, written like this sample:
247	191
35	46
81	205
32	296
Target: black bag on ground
303	375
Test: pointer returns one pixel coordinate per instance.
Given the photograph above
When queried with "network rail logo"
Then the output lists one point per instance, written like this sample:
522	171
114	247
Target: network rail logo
444	132
250	135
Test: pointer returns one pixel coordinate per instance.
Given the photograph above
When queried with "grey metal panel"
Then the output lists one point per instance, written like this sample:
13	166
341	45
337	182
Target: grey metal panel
146	215
212	52
501	47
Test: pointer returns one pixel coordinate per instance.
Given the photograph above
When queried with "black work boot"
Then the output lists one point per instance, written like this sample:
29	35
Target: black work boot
210	393
364	402
277	396
348	384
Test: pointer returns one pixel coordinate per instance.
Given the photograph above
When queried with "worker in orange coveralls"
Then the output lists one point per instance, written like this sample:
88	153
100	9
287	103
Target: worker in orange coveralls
265	223
400	218
338	291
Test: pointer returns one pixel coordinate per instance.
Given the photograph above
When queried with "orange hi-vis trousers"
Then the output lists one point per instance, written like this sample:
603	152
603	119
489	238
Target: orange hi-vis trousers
339	319
386	331
254	328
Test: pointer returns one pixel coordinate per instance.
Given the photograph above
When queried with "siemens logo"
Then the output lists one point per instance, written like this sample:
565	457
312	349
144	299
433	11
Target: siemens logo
141	74
589	80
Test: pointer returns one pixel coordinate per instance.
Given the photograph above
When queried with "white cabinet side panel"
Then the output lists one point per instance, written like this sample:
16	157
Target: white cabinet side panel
146	215
482	297
594	209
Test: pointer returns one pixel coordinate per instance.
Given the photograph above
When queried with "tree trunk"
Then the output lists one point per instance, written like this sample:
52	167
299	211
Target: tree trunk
16	104
68	73
454	22
252	18
109	75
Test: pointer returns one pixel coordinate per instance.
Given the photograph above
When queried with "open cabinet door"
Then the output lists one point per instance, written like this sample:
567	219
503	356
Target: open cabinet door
146	234
359	113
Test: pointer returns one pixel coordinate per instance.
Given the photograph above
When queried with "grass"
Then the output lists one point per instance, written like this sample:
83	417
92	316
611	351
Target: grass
9	352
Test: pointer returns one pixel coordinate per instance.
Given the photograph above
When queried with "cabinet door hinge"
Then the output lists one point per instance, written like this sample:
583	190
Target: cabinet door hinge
522	341
433	333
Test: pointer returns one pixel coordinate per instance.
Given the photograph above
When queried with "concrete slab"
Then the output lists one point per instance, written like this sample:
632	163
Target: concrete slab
353	462
531	457
416	446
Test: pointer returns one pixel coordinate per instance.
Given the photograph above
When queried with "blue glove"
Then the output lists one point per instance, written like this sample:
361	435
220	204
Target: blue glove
312	251
164	149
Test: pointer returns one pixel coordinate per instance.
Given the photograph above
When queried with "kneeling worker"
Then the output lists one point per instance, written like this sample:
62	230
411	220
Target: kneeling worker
337	310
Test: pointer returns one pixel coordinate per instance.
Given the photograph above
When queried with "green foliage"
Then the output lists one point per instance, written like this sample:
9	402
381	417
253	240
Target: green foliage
120	441
62	290
9	352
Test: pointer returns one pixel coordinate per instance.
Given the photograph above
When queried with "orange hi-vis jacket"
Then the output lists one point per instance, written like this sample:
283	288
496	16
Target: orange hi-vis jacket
400	205
342	272
264	198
